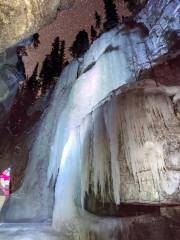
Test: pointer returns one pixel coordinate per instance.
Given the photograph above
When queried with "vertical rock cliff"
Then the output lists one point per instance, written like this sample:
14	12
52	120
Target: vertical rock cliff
21	18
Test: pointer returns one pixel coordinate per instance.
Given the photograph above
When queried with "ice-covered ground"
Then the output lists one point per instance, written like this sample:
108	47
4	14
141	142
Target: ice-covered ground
28	232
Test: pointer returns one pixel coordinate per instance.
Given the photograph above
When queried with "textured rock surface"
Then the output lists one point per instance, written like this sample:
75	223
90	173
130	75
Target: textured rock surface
8	87
21	18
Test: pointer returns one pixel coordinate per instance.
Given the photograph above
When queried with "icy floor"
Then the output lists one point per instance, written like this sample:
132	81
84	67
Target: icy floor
28	232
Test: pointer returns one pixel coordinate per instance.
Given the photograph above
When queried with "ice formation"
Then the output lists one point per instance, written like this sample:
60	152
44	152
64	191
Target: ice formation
118	165
77	147
99	144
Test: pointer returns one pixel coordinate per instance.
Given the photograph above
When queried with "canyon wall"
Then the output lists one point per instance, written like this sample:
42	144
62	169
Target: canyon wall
21	18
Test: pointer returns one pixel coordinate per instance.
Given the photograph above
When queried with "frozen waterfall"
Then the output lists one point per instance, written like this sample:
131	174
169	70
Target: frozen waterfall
90	144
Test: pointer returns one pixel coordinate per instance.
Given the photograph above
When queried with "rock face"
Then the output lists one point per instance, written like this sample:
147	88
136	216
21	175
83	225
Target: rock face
21	18
8	87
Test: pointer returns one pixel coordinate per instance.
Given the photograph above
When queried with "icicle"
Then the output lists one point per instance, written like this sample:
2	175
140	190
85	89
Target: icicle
110	115
86	150
101	156
68	183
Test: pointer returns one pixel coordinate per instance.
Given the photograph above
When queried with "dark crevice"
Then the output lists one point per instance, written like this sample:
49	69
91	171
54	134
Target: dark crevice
176	107
89	67
110	49
122	210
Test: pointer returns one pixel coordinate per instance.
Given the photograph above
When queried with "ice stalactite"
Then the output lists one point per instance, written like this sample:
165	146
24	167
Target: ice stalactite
117	157
99	149
108	64
112	136
138	142
86	151
68	181
101	156
110	115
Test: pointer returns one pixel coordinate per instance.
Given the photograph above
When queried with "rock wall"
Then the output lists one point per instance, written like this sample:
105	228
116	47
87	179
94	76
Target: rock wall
9	80
21	18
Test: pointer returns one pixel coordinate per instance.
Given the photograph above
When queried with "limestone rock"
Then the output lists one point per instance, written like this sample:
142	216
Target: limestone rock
21	18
